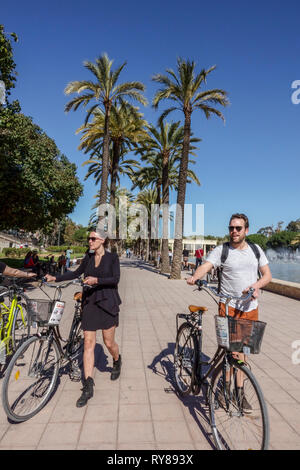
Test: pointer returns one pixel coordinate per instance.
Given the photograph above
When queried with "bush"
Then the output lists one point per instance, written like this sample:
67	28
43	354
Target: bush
15	252
59	249
281	239
258	239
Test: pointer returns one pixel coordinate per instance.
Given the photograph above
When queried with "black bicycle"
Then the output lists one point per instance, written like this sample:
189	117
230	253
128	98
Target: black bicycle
32	374
238	412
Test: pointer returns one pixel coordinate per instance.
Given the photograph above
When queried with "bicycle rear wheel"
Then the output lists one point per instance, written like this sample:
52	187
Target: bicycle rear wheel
236	424
30	378
75	344
185	360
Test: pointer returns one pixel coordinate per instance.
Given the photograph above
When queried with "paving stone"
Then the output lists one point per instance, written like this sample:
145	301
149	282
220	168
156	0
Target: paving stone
141	410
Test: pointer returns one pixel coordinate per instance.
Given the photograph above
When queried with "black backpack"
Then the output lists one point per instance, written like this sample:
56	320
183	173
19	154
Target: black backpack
224	255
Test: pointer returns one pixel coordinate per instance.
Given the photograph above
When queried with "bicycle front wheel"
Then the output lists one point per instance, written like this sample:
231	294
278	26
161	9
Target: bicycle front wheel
30	378
239	418
21	326
185	360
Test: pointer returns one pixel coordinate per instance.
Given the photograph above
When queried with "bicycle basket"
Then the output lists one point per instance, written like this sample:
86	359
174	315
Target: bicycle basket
39	310
237	334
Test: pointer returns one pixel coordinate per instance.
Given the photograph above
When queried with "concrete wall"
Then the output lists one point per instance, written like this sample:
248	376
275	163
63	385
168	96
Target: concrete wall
7	241
286	288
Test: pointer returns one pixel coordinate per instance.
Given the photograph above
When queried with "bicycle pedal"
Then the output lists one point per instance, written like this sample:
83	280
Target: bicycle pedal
75	378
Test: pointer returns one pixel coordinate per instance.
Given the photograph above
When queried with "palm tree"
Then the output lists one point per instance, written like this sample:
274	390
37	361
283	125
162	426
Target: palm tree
147	198
152	175
126	128
103	92
184	90
162	144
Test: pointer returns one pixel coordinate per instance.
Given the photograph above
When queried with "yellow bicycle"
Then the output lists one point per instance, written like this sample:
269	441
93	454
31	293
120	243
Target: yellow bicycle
14	324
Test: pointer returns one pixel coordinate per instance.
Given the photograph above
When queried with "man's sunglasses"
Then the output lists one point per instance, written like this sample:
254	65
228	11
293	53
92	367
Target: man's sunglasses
238	229
93	239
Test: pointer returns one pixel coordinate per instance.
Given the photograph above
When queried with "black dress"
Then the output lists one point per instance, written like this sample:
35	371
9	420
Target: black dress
100	304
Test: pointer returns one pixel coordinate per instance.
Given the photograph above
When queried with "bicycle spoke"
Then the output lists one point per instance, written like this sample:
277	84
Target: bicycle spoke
237	424
30	378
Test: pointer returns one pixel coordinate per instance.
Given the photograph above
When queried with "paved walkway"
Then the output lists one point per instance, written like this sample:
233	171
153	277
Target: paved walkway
140	411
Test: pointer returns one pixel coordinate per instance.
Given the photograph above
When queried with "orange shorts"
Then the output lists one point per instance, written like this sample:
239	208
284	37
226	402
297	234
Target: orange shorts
236	313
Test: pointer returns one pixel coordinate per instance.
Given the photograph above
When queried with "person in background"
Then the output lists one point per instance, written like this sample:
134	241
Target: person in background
170	256
62	263
28	261
68	257
199	256
185	254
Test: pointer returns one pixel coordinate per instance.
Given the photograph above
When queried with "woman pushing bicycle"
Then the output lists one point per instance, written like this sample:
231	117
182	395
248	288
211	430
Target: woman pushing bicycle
100	306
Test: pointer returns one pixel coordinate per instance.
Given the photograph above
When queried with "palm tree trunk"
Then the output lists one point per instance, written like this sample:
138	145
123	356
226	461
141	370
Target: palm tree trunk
105	157
114	172
165	265
177	254
113	185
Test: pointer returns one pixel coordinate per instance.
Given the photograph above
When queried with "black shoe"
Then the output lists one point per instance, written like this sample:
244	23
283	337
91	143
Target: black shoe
87	392
115	373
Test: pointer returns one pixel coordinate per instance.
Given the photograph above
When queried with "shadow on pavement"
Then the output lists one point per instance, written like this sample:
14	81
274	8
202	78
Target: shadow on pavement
196	405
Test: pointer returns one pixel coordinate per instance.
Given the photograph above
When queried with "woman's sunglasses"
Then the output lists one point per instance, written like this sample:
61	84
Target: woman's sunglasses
93	239
231	228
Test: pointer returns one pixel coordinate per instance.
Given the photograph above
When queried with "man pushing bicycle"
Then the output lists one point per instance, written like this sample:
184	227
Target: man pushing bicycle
239	264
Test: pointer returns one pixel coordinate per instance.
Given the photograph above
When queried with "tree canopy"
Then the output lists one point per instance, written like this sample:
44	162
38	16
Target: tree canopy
7	64
37	183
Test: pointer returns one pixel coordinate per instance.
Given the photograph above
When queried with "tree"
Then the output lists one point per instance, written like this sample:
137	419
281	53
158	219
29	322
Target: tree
104	93
7	64
161	149
35	172
183	88
126	129
281	239
294	226
258	239
267	231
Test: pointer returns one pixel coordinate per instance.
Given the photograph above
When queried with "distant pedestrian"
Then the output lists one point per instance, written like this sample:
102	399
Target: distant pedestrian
68	257
199	256
170	256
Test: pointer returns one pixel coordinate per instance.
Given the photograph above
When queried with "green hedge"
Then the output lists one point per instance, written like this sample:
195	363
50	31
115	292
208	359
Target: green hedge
15	252
59	249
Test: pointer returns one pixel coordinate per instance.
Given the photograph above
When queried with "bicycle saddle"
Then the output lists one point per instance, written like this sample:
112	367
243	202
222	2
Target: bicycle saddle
195	308
78	296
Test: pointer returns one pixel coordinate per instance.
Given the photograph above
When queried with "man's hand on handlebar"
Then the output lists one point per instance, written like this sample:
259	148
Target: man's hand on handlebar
255	290
191	280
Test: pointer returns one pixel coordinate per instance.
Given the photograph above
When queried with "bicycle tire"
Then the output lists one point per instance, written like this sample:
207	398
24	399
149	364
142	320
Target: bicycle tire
21	327
75	346
185	360
30	378
232	427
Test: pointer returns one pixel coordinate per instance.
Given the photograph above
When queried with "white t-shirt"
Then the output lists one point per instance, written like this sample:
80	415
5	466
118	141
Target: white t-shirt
239	272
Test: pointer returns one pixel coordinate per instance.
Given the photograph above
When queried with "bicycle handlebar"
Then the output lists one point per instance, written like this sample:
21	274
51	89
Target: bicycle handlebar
77	281
214	290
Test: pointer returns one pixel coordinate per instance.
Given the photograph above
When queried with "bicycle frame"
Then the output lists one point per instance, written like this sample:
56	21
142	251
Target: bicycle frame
6	327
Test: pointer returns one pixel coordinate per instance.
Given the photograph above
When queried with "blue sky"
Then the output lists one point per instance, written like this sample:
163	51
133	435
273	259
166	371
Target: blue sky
251	164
